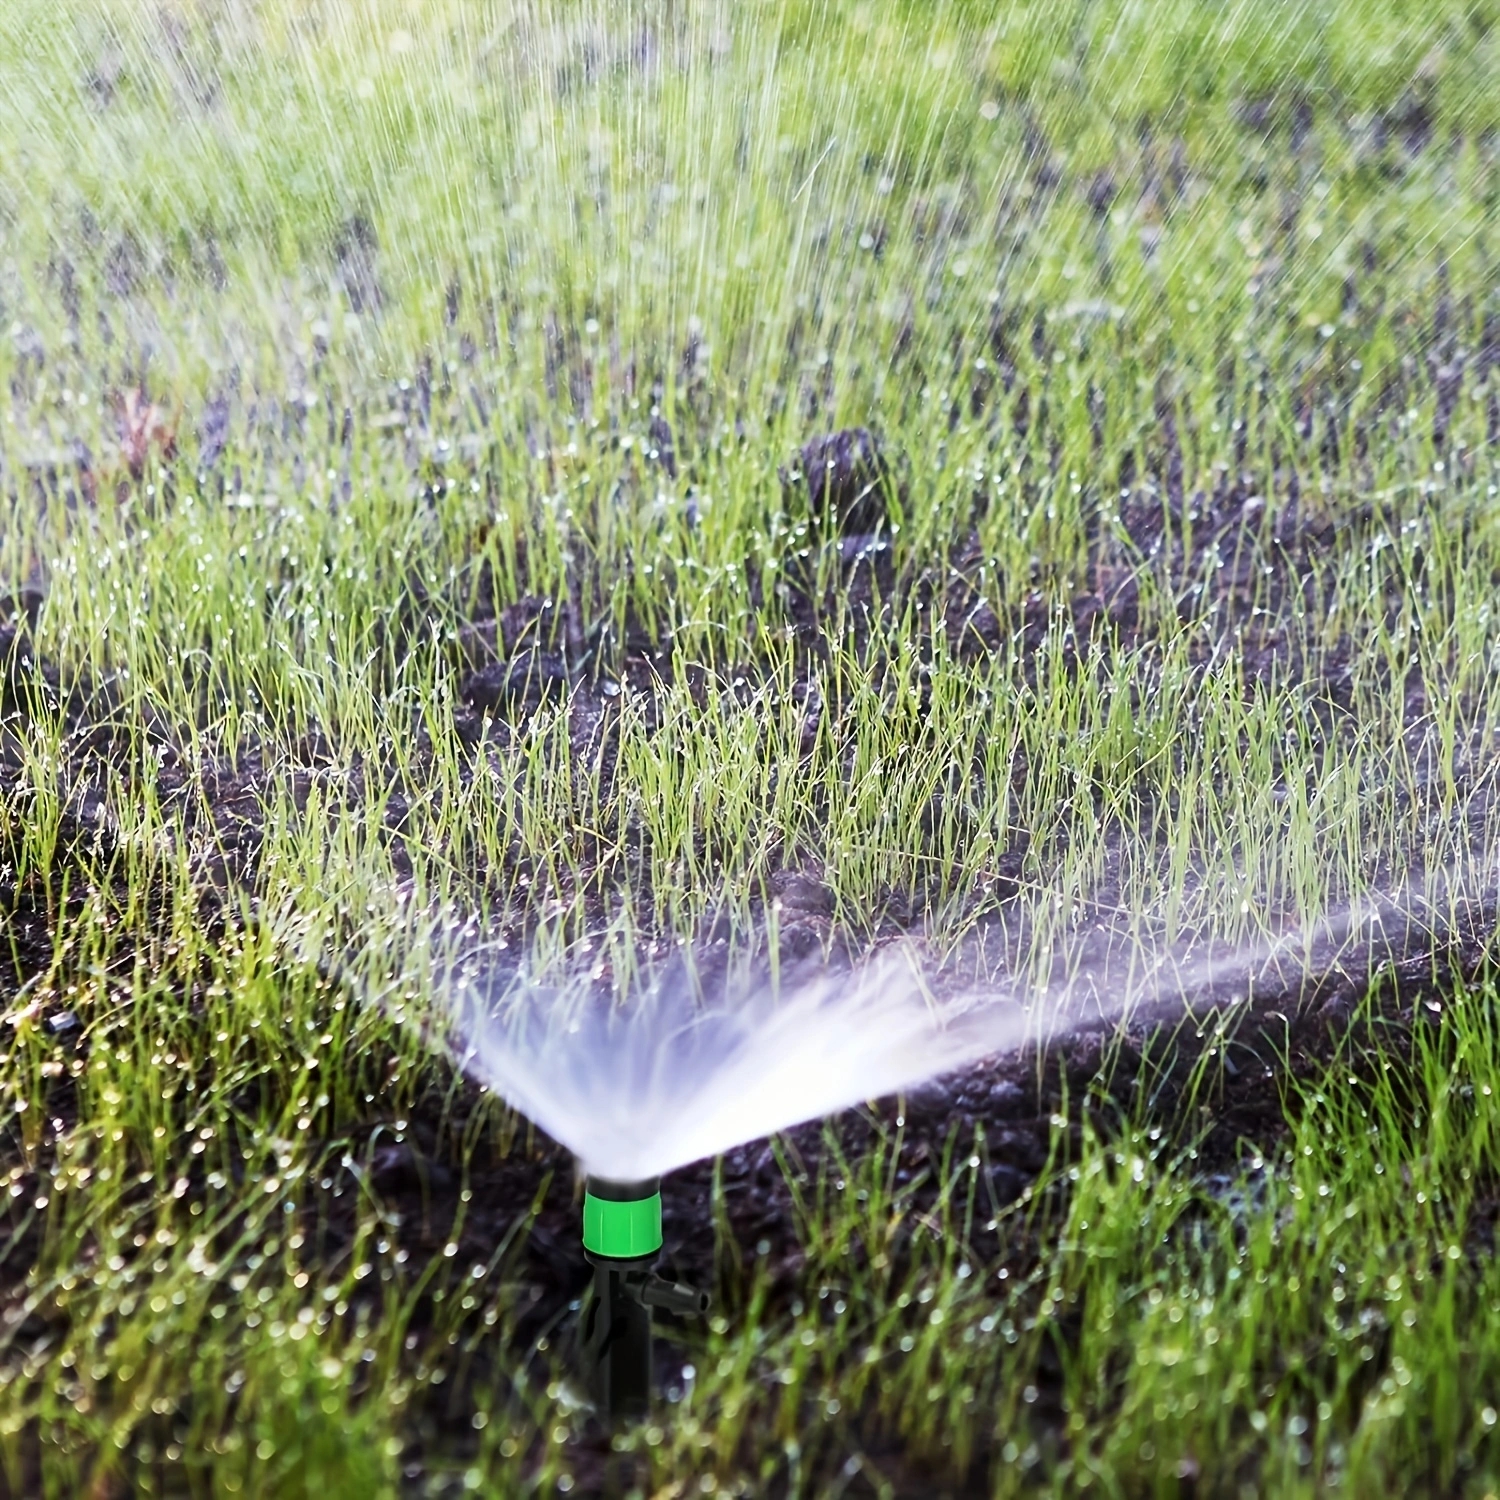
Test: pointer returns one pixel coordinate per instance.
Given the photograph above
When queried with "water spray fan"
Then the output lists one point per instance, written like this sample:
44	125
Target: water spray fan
638	1090
622	1238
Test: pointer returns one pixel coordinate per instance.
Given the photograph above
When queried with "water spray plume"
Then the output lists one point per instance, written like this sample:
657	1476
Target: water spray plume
638	1086
636	1089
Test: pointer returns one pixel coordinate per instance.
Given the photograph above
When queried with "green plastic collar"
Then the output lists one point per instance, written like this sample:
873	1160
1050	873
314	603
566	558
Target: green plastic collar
622	1231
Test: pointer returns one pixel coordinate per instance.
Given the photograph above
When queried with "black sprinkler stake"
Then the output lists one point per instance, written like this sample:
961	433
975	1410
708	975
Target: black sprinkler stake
622	1237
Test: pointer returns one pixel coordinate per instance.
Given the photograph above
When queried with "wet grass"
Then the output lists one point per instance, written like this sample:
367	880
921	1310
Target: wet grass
404	539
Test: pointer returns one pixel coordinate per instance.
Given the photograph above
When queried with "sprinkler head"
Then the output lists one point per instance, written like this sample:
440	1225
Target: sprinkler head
622	1236
621	1220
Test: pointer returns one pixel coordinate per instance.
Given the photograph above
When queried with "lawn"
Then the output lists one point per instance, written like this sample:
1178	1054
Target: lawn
713	498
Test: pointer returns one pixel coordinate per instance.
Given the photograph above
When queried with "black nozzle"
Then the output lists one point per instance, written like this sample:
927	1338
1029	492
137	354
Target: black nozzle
674	1297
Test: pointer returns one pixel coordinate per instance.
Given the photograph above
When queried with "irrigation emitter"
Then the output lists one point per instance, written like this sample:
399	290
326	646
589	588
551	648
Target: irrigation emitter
622	1238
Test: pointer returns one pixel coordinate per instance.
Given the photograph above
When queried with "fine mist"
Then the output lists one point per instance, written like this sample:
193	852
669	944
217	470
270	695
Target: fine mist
639	1088
636	1086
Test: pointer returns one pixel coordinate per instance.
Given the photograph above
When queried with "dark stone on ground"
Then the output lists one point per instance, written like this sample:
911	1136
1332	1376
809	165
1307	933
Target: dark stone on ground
662	450
19	611
525	680
846	475
398	1168
213	431
355	249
